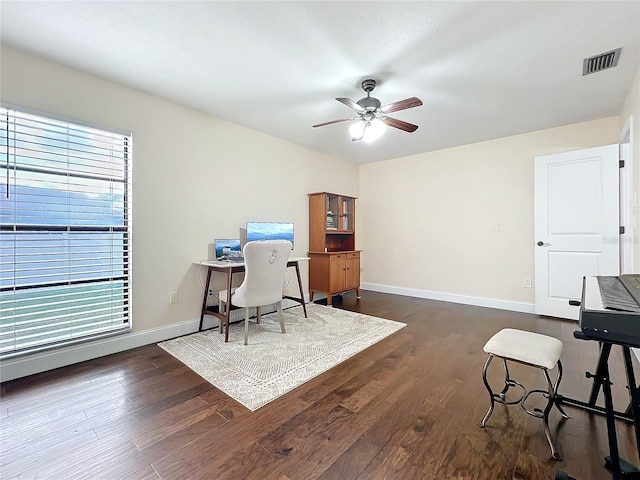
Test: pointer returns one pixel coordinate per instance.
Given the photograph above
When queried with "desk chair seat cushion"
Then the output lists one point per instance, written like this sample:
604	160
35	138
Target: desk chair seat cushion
527	347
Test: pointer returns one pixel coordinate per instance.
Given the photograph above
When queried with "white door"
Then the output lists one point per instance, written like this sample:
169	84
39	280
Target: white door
626	201
576	225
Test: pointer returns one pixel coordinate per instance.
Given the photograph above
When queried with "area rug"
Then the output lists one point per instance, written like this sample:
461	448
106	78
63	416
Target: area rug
274	363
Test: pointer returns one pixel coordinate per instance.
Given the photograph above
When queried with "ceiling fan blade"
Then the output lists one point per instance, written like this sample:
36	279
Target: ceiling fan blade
402	125
351	104
401	105
332	121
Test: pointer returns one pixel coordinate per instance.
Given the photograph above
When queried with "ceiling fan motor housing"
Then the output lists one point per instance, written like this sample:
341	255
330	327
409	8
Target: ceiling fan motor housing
369	103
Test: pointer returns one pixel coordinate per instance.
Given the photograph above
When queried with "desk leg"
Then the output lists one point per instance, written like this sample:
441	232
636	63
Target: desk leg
304	307
204	300
227	313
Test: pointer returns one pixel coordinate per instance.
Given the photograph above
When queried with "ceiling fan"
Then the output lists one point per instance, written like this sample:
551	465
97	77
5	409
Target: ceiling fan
372	117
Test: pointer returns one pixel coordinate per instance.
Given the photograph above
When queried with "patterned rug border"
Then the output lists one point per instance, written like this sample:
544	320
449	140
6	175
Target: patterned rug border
274	364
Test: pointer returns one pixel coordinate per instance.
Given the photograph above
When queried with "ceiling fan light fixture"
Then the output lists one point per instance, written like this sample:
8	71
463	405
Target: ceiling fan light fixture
374	117
356	130
367	130
375	129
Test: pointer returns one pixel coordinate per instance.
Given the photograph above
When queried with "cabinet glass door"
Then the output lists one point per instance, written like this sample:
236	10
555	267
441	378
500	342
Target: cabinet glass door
333	212
346	213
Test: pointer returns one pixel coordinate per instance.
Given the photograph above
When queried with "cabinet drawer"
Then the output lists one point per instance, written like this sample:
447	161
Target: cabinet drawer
344	256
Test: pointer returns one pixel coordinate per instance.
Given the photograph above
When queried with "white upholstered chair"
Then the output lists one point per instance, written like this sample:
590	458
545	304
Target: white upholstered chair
265	266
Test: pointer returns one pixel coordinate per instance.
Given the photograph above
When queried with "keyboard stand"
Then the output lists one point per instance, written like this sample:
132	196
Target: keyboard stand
598	380
620	468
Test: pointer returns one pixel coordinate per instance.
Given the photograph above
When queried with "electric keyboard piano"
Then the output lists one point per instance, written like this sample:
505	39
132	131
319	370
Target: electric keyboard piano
610	309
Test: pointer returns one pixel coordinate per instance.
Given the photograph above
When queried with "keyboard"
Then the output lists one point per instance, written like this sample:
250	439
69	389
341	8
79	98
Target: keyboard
616	296
607	313
231	259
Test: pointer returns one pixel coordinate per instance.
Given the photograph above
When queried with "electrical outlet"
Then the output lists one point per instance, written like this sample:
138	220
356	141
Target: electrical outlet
173	297
527	282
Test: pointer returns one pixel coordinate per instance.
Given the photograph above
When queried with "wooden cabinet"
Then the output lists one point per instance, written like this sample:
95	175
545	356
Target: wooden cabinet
335	264
344	271
334	273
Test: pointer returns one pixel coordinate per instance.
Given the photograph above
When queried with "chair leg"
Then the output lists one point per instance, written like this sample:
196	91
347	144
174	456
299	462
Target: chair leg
220	302
280	316
483	422
257	314
246	325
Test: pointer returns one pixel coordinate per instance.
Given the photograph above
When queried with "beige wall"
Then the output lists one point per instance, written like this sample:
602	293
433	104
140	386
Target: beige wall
182	198
631	110
428	222
441	207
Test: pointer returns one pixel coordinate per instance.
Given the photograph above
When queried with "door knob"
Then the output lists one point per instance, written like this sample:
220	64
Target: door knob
542	244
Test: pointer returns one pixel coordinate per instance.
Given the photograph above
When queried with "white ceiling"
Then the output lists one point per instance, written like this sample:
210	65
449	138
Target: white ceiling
483	69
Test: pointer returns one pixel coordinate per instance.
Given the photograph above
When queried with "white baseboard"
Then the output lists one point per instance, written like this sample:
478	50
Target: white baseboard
30	364
59	357
464	299
451	297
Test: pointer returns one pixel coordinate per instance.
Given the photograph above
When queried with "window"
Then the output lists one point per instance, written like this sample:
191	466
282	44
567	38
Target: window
65	232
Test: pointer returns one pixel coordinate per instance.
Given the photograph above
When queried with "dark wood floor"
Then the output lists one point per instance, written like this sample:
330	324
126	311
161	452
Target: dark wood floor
406	408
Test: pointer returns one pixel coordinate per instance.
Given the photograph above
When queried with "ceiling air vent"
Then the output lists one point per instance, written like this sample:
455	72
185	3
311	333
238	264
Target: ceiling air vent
600	62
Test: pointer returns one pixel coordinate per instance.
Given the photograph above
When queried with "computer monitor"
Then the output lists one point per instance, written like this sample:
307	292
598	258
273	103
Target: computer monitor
226	247
270	231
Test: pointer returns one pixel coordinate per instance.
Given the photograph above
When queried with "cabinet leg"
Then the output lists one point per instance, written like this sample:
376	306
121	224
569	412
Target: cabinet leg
329	300
358	293
311	292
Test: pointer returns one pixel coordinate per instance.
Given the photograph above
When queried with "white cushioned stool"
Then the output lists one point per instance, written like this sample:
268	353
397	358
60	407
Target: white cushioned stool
535	350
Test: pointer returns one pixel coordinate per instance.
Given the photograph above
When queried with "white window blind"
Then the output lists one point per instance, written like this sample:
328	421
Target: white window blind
65	232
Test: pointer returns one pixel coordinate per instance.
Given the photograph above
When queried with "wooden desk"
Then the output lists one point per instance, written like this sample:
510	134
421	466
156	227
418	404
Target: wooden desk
229	268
